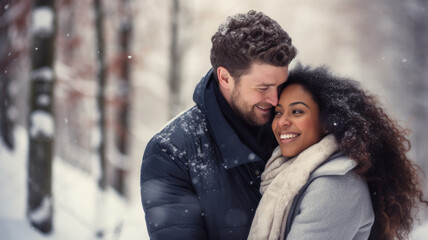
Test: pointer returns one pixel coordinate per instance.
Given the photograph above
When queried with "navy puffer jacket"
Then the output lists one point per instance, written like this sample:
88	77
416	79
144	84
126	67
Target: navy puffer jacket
198	180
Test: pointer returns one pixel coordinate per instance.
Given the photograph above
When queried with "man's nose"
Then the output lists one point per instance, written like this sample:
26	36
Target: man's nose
272	97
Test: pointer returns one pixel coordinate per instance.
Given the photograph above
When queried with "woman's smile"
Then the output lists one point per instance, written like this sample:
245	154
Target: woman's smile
296	121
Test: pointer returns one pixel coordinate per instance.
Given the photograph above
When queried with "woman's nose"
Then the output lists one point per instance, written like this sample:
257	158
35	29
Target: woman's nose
284	121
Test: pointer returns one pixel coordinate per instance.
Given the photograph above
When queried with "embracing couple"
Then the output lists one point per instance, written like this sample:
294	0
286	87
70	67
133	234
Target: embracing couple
270	154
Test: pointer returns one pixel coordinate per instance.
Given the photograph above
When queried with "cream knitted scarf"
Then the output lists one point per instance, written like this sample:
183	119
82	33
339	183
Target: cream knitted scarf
281	181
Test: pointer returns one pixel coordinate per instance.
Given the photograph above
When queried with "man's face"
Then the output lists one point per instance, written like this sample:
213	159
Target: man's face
256	92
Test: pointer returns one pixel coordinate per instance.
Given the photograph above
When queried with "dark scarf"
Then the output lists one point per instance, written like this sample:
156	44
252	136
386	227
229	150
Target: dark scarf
259	139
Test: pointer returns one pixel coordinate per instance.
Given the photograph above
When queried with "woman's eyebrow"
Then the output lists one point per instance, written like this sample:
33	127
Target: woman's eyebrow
295	103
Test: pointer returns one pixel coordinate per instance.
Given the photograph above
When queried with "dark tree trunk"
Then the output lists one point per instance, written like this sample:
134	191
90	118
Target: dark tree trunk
122	129
40	117
101	117
175	61
101	78
6	54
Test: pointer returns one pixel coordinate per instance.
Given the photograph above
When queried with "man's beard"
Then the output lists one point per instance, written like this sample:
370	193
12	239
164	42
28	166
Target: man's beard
245	111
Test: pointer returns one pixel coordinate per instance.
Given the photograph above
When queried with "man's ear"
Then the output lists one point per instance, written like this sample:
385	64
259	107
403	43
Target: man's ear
225	80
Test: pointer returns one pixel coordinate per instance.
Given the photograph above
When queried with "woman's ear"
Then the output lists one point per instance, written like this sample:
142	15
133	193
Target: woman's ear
324	130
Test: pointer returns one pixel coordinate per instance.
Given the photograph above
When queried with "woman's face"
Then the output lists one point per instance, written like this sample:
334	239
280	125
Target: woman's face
296	124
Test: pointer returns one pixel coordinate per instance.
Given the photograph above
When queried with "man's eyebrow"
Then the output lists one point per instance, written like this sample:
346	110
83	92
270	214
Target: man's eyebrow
266	84
295	103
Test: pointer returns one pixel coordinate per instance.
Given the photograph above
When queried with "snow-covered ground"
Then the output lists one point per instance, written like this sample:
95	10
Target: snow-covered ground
77	203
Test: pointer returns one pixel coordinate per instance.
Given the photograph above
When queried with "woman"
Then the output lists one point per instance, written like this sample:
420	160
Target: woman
340	170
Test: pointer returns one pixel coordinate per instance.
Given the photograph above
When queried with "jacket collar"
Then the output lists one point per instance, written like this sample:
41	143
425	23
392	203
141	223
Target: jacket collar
337	164
233	151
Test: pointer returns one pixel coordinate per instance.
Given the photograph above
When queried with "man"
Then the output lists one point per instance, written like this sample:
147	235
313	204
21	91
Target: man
200	175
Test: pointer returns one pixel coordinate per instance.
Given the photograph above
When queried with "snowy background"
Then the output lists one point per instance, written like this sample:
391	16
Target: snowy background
75	202
381	43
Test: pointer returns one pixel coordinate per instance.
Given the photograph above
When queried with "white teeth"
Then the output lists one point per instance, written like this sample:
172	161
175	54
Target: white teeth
262	107
288	136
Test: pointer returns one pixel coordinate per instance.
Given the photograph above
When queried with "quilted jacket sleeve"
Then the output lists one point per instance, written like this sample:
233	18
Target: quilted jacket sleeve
172	209
334	207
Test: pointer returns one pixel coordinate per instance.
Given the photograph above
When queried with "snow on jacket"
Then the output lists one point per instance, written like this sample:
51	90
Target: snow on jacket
334	204
198	180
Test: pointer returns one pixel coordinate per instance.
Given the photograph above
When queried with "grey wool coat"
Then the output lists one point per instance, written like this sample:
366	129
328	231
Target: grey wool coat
334	204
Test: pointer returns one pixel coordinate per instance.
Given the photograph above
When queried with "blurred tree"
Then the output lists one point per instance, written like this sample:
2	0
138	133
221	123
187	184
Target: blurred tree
68	31
6	56
41	118
175	61
180	19
122	126
75	86
101	78
101	116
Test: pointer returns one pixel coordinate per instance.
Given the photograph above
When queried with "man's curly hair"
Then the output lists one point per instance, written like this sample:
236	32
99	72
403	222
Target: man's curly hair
246	38
376	142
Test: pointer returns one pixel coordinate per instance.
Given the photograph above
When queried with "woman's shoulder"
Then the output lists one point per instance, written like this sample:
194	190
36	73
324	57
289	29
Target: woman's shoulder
334	196
338	164
336	175
334	204
335	180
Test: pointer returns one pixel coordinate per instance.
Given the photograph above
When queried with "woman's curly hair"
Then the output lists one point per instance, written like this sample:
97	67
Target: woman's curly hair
369	136
246	38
